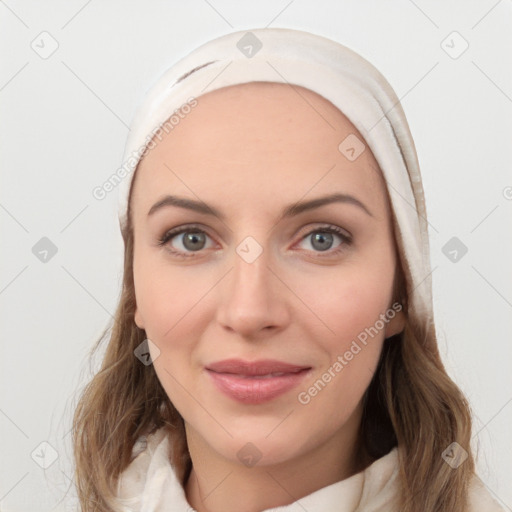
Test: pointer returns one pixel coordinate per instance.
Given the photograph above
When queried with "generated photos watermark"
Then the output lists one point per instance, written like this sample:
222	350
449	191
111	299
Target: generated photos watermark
304	397
150	143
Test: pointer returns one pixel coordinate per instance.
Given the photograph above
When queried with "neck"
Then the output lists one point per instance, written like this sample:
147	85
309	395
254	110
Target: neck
218	484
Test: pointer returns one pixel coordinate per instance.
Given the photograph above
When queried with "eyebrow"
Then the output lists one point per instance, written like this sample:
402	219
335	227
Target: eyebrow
288	211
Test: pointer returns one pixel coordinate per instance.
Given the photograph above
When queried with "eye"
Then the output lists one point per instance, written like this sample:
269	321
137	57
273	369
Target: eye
191	240
188	241
321	239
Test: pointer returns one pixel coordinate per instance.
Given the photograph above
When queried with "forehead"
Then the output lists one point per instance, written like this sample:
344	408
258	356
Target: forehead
257	137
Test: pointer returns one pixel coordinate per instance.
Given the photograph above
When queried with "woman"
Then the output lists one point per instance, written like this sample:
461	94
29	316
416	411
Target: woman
274	345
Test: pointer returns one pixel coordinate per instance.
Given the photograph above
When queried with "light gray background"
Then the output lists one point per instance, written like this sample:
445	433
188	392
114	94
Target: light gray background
64	123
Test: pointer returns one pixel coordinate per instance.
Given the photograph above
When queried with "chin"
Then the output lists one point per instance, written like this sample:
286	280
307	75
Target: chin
261	443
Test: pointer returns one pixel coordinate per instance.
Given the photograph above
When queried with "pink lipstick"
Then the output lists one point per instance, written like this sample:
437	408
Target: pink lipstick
255	382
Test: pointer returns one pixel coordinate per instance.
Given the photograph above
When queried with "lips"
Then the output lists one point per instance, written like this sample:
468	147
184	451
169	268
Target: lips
255	382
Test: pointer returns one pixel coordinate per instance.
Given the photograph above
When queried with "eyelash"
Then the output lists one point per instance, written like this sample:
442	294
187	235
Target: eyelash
169	235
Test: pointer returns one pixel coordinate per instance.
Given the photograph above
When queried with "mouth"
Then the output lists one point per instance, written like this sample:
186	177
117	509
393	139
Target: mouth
255	382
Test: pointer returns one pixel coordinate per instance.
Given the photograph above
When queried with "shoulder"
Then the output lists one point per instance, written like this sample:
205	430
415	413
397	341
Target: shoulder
480	498
381	483
144	461
381	486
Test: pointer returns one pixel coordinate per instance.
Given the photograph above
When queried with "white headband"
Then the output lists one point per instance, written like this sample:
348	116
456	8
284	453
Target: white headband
331	70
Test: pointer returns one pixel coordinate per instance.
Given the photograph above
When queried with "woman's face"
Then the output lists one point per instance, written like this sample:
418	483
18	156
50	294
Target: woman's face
264	280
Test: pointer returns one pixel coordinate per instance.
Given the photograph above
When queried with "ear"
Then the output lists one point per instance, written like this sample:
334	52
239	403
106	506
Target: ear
139	322
395	325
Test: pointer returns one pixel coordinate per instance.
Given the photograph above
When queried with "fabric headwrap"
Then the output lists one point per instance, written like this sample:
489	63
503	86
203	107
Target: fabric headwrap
331	70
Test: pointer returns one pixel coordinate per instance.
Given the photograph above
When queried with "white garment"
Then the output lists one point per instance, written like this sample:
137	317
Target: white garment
149	484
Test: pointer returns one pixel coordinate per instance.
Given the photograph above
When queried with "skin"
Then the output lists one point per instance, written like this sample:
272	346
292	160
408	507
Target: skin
250	150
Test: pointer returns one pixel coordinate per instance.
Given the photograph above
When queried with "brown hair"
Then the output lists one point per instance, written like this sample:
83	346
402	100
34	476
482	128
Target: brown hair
411	403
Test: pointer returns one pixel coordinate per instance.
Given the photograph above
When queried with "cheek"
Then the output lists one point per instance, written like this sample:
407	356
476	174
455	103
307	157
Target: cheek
350	299
166	297
169	302
350	302
350	354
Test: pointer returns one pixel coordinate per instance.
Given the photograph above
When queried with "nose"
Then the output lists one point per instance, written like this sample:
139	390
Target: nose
253	298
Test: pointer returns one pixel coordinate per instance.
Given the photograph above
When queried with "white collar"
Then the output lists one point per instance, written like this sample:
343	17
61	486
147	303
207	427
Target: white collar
149	484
